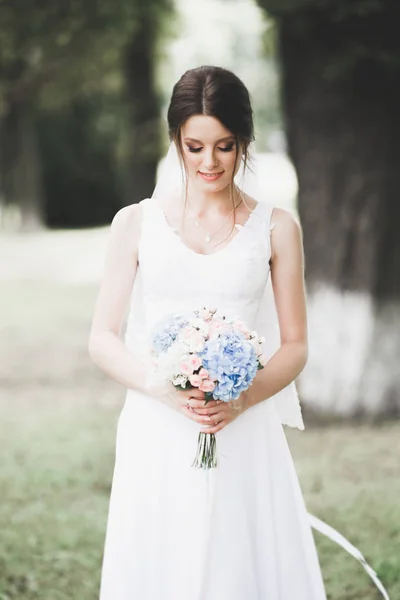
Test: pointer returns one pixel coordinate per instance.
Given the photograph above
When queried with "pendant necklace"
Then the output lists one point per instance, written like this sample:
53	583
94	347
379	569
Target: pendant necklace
210	234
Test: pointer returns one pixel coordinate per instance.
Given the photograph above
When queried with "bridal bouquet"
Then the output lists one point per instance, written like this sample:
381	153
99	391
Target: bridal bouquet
218	355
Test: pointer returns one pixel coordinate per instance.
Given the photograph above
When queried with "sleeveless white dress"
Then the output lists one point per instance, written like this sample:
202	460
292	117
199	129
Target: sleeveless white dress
237	532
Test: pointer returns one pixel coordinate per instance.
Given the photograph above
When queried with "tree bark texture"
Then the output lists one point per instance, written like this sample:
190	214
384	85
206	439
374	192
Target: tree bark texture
144	110
341	95
20	164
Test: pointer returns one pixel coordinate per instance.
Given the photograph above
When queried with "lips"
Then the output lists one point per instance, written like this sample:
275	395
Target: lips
210	176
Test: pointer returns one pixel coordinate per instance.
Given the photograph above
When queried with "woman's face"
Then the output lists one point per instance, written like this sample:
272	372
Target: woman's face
209	152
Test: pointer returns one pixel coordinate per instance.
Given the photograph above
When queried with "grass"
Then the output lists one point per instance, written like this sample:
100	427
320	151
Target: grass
57	440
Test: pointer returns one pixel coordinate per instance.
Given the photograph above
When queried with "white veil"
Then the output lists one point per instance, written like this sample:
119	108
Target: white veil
171	181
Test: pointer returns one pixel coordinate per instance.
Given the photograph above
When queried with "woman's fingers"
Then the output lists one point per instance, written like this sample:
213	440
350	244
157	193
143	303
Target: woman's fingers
213	415
208	411
213	420
202	419
193	405
199	403
211	423
214	428
195	393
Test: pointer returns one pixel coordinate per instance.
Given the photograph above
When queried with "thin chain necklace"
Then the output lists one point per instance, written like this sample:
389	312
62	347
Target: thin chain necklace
210	234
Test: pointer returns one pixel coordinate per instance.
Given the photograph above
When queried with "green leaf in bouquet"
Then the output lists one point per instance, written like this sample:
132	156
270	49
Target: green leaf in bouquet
188	386
209	396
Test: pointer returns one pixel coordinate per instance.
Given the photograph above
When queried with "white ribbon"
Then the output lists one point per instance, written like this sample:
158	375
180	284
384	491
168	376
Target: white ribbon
339	539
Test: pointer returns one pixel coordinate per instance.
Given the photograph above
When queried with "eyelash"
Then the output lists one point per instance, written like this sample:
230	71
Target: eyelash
197	150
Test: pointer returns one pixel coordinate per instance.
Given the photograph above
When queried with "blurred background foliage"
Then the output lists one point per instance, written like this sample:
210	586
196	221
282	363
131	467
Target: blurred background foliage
79	106
84	88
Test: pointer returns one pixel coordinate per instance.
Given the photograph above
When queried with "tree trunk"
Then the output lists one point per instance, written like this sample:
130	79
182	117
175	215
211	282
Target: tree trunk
20	165
145	134
341	93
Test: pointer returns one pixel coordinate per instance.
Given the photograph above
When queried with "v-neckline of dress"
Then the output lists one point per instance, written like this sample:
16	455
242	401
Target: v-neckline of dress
190	250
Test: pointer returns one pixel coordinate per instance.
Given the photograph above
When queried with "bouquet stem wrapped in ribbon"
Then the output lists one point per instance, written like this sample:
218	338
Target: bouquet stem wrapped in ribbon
216	354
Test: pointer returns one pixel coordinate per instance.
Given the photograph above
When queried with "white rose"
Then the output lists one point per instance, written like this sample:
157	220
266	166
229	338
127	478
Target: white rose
179	380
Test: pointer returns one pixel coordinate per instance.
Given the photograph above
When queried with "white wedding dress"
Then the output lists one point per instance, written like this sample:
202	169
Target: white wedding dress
237	532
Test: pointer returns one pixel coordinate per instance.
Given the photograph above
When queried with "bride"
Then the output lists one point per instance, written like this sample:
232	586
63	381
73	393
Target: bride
239	531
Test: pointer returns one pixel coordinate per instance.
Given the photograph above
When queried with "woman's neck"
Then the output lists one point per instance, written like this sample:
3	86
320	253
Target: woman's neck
205	202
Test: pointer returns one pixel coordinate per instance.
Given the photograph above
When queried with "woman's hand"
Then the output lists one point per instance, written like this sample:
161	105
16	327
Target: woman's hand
190	402
218	412
225	412
214	415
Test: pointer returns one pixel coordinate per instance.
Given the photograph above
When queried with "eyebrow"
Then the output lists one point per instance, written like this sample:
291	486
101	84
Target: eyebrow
225	139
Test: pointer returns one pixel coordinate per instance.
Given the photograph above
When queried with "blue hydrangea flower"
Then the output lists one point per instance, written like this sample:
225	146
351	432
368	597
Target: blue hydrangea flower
167	331
232	361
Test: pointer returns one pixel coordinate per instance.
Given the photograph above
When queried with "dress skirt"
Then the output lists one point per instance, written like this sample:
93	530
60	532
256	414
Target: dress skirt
236	532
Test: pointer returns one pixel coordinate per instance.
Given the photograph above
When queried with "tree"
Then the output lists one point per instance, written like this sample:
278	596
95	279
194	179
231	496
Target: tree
80	172
340	64
37	41
144	101
44	44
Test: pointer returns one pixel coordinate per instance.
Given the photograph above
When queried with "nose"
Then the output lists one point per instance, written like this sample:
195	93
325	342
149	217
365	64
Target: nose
210	160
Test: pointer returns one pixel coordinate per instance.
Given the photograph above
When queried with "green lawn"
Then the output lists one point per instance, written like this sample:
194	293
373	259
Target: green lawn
57	435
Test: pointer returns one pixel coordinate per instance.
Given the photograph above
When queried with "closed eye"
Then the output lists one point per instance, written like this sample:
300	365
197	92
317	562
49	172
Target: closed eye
227	149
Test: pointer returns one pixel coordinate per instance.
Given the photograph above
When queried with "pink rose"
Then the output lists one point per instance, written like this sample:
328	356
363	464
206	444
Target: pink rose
195	380
189	364
195	361
195	341
186	332
186	366
205	314
203	373
216	327
207	385
240	326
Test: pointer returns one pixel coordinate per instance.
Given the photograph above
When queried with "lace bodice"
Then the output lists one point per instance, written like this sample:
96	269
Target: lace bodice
172	278
176	278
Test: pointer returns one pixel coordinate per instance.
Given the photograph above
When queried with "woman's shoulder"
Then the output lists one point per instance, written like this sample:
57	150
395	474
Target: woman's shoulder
287	220
126	223
129	215
286	233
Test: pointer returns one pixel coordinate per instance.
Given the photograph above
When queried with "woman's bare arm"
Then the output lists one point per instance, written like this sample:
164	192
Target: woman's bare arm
106	349
286	364
287	272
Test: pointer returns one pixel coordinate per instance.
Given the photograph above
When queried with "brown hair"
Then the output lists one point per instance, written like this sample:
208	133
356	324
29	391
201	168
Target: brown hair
215	92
